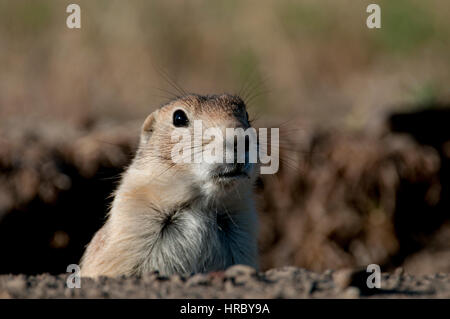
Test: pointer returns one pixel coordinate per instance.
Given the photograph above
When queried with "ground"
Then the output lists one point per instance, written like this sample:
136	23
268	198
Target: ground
236	282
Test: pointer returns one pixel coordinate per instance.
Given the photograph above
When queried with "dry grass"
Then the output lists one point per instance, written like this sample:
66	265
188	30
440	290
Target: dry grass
315	60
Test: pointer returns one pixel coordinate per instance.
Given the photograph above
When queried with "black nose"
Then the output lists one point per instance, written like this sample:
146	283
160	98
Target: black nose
247	145
239	166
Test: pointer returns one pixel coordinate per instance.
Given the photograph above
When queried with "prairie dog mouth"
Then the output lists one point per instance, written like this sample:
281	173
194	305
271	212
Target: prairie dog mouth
239	170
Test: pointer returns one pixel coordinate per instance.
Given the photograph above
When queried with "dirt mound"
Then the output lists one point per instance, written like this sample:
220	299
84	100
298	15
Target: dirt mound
354	200
55	184
339	200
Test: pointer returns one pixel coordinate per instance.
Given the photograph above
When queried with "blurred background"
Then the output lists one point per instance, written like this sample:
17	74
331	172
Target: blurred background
363	115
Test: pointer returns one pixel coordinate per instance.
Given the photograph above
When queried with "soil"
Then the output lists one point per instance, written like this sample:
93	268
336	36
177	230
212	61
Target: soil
236	282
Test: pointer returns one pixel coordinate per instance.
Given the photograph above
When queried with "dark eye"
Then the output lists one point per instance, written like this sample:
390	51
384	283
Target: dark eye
180	118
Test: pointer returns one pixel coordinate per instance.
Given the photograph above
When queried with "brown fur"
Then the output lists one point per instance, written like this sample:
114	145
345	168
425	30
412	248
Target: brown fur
169	217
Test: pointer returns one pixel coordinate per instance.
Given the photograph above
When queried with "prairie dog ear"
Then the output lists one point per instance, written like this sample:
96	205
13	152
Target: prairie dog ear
147	127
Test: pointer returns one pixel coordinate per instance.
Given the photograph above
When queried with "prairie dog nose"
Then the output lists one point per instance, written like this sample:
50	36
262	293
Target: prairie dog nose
246	143
239	146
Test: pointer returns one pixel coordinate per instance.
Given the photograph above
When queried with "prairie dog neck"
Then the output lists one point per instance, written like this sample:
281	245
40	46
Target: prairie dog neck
184	217
184	236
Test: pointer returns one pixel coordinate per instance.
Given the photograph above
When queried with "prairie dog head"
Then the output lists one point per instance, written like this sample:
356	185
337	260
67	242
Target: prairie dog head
205	142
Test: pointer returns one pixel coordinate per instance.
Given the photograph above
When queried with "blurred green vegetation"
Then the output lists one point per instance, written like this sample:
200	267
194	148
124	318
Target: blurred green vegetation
25	18
406	26
315	60
426	94
310	19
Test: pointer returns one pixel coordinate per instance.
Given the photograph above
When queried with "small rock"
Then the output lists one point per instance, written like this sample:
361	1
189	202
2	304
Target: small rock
5	295
240	270
399	271
197	280
354	277
351	293
328	272
16	284
343	278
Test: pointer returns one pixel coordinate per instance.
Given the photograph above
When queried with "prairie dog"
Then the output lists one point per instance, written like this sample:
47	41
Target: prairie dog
179	217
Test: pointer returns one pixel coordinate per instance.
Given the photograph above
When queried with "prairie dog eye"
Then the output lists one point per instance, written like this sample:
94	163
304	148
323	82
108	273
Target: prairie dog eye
180	119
